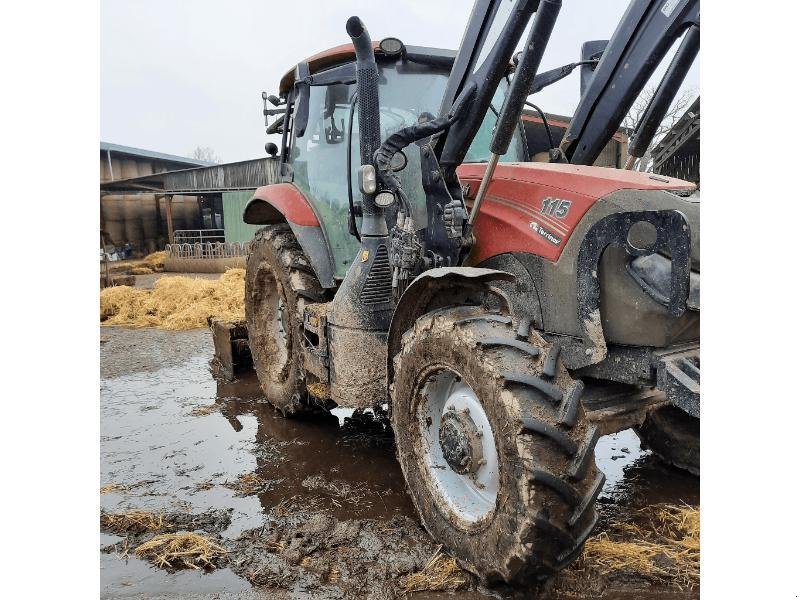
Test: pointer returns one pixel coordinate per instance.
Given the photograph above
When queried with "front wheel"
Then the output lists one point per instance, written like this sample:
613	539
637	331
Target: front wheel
494	445
278	284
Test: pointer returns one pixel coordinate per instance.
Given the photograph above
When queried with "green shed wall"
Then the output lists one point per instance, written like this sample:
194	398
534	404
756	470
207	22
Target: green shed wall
236	230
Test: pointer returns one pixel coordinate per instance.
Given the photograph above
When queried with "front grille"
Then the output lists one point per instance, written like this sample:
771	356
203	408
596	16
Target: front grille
378	287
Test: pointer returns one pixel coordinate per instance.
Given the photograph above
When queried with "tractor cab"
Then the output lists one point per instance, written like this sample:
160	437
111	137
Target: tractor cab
320	145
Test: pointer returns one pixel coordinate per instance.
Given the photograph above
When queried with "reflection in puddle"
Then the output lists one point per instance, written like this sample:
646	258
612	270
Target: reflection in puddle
169	459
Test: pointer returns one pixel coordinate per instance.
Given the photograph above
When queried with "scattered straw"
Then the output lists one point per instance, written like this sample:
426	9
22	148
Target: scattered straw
204	485
181	550
141	270
663	544
155	261
135	521
202	411
441	574
176	303
248	484
340	490
113	488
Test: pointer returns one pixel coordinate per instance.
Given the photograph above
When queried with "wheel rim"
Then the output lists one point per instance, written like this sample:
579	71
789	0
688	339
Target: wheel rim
274	327
459	453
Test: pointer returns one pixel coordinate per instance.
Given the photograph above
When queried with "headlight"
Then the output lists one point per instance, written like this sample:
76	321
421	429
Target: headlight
653	272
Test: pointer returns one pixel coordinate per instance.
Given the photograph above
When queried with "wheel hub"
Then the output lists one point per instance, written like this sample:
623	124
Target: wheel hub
459	450
459	439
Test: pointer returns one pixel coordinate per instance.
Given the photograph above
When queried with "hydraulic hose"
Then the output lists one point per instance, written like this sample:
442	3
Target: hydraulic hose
395	143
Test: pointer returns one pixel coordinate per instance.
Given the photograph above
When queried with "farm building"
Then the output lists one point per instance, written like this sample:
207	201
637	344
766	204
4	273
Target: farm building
678	152
536	133
139	219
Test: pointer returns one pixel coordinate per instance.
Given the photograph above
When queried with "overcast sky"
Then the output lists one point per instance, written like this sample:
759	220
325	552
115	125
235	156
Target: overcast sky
176	75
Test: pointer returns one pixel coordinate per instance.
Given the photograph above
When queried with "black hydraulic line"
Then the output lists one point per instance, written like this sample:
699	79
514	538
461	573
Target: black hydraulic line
659	104
542	80
399	140
544	120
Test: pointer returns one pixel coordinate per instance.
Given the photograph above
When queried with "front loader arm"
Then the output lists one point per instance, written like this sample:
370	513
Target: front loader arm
647	31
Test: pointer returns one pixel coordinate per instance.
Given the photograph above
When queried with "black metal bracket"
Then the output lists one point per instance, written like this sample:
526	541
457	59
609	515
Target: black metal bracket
672	238
678	376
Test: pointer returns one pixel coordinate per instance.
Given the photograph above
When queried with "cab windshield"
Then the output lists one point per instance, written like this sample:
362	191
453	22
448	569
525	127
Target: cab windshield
319	157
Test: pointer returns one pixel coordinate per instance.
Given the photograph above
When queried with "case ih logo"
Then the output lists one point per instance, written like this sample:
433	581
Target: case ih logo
549	236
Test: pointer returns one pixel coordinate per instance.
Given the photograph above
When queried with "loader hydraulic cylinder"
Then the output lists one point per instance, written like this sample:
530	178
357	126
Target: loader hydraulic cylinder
518	92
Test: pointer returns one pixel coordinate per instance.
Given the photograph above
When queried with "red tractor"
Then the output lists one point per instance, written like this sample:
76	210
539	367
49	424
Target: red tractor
504	314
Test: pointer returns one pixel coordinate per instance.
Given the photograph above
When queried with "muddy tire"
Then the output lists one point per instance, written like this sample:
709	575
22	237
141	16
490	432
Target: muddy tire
674	437
530	517
278	283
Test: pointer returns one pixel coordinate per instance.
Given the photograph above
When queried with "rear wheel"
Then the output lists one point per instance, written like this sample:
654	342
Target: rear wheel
674	437
278	283
494	445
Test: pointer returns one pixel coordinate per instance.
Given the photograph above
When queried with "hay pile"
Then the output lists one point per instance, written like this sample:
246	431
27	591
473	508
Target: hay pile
154	262
663	544
181	550
175	303
135	521
440	574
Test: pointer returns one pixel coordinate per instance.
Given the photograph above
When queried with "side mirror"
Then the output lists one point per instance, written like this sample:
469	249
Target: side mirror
271	148
591	50
302	96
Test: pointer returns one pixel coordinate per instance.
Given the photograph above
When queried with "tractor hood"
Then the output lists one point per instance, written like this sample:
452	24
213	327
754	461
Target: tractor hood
535	207
587	181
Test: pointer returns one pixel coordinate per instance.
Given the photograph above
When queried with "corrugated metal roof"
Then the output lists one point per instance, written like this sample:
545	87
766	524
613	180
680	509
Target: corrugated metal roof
130	150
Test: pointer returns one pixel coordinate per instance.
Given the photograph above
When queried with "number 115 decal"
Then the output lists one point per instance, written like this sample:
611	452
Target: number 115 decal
556	207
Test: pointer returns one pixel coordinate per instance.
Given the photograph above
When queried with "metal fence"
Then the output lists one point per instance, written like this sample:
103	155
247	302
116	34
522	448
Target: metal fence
208	250
193	236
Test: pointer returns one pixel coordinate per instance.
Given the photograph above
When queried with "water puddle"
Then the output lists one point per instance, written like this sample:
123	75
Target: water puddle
175	439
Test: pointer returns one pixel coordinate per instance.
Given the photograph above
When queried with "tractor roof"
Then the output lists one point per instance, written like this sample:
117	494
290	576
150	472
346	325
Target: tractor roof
345	53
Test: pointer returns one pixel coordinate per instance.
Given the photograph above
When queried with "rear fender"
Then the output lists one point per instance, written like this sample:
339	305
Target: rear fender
437	288
285	203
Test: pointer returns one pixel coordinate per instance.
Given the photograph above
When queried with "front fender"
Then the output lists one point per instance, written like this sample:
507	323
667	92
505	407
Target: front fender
437	288
278	203
285	203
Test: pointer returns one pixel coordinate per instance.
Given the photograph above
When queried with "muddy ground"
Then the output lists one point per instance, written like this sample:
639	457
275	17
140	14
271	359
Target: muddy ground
305	508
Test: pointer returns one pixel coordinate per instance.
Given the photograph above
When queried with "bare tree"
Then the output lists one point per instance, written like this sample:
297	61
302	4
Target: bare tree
675	112
207	154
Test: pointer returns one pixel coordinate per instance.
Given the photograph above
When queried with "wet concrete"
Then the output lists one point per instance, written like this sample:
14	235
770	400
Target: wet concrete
174	439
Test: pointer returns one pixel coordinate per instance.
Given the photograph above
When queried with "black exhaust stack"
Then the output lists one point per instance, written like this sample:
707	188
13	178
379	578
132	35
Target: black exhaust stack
369	125
360	314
